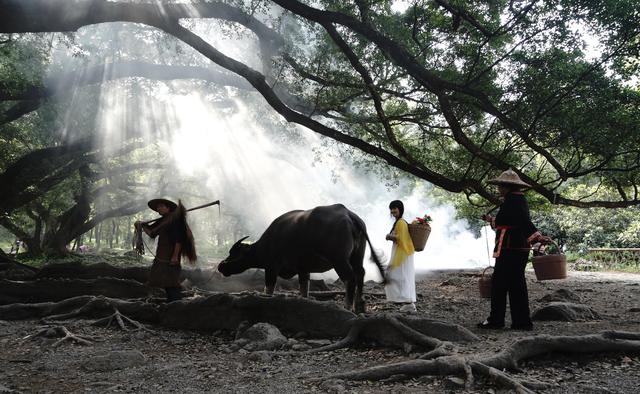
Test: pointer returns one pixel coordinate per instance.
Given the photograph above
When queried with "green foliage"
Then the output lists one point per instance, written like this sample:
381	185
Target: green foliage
563	115
23	61
581	229
532	60
609	260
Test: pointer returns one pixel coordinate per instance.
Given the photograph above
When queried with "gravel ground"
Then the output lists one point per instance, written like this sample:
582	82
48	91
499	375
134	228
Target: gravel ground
190	362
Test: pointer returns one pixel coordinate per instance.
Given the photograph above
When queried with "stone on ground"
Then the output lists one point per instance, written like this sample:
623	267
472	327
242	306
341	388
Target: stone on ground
262	336
565	311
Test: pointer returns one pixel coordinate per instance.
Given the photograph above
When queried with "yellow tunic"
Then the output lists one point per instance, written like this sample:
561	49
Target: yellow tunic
404	244
401	285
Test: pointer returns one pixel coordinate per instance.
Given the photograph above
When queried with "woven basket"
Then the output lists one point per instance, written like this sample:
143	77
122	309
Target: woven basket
419	234
550	266
484	284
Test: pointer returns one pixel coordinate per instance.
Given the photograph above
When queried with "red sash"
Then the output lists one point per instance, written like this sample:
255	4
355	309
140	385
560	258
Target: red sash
503	232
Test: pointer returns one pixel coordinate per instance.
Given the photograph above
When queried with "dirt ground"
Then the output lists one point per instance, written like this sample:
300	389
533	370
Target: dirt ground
190	362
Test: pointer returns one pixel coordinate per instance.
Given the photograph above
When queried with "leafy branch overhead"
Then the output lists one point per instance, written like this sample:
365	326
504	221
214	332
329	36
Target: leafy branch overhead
450	92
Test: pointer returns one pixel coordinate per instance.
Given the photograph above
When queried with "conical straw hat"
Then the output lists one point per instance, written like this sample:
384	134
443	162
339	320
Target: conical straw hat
153	204
508	177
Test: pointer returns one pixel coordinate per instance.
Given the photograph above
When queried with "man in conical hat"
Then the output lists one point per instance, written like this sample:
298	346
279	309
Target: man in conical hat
514	234
509	178
174	240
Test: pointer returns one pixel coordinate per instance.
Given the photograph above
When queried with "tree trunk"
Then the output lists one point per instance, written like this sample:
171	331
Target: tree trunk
111	233
129	233
116	231
98	236
34	243
35	248
56	246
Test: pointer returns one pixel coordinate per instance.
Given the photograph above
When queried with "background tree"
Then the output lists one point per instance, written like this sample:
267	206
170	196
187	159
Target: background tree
483	88
449	92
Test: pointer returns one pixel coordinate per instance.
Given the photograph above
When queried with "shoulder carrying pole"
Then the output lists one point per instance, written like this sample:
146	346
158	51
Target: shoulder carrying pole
217	202
137	241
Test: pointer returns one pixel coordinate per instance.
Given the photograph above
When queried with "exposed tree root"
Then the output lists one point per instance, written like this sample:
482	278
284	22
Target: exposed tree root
508	359
78	270
525	348
445	349
318	319
121	321
350	340
63	332
401	332
331	295
45	290
99	307
499	376
6	262
290	314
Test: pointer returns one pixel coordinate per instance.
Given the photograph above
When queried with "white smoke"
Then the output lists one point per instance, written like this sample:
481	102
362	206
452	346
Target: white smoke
258	166
261	177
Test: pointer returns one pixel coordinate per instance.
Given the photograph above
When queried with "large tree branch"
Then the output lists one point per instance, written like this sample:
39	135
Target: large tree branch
36	172
18	110
23	16
377	99
61	83
459	12
403	58
15	229
166	18
258	81
128	208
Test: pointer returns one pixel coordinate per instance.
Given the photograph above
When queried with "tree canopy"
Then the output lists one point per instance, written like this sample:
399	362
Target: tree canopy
451	92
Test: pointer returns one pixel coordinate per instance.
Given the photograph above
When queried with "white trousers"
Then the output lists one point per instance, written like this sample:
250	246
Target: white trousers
401	281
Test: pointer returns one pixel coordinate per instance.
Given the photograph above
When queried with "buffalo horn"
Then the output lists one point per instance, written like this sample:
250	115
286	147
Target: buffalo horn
239	242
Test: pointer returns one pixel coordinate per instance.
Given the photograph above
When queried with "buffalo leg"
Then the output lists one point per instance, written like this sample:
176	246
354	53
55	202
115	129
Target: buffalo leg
348	278
356	260
270	279
348	297
358	299
303	279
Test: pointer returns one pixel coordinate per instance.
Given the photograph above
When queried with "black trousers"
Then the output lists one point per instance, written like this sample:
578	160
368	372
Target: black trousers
173	293
508	278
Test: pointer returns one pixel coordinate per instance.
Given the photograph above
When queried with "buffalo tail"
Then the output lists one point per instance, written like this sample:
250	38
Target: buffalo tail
374	255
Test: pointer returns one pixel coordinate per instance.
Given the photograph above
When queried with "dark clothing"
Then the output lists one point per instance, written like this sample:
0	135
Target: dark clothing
513	224
514	231
508	278
163	274
173	293
169	232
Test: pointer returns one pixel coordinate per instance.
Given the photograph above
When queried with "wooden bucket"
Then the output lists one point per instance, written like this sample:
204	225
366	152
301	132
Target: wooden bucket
550	266
484	284
419	234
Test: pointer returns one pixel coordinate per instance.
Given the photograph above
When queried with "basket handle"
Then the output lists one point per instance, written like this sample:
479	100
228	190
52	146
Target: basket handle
550	243
485	270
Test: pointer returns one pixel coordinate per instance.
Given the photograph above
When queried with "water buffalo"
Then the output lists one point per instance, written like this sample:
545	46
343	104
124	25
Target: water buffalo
300	242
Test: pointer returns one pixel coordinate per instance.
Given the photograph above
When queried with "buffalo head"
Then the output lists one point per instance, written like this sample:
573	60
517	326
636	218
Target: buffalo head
239	259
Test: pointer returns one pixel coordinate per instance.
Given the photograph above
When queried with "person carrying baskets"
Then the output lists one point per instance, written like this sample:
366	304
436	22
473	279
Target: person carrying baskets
514	234
401	285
